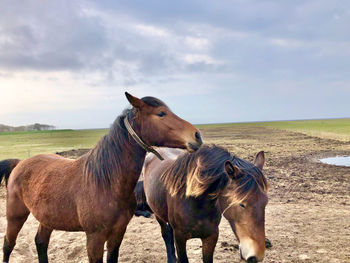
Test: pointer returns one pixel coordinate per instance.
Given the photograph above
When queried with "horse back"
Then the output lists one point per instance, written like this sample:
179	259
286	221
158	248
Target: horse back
41	170
47	183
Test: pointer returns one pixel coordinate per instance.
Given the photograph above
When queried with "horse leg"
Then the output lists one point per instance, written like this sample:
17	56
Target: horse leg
180	242
208	248
17	214
42	239
95	246
113	244
168	237
116	237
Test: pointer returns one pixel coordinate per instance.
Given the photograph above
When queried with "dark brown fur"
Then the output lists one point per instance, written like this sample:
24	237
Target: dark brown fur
194	210
142	207
103	164
94	193
6	167
194	174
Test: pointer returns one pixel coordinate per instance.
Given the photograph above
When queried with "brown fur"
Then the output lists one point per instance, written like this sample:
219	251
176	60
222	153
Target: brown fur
94	193
192	175
103	162
249	182
197	214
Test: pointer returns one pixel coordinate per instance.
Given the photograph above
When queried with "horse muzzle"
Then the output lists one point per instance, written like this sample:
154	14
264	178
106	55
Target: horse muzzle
195	145
249	253
252	260
192	147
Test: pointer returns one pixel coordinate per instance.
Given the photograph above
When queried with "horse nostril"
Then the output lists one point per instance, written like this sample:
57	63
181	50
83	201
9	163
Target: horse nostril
252	260
198	136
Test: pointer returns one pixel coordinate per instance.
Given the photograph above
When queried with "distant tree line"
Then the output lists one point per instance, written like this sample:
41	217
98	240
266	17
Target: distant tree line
31	127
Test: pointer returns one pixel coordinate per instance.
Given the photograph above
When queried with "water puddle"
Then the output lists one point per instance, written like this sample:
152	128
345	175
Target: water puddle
337	160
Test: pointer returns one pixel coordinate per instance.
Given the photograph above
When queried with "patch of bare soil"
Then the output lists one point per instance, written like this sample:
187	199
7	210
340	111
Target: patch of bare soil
75	153
307	218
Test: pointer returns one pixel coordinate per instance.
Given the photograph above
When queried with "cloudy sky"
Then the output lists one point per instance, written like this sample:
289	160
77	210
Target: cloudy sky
68	63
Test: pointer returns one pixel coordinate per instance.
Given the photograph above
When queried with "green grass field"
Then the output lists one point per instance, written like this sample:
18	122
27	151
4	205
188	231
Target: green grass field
336	129
25	144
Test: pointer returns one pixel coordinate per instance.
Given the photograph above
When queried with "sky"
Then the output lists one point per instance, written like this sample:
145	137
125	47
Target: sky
68	63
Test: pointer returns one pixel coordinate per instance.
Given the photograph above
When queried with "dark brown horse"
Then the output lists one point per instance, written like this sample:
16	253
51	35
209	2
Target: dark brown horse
189	192
142	207
93	193
6	167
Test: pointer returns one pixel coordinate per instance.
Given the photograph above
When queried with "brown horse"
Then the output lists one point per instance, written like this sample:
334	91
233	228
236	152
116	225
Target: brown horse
93	193
189	192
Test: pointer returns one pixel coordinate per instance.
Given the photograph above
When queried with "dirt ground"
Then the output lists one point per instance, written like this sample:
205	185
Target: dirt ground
307	218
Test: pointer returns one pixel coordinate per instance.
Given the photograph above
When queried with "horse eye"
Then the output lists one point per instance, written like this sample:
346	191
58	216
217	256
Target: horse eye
242	205
161	114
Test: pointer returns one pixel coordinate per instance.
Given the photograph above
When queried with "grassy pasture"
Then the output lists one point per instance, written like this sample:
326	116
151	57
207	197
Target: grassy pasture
336	129
309	203
24	144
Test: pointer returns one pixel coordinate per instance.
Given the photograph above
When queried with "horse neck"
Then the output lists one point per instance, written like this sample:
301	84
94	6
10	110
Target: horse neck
133	157
205	207
205	203
124	176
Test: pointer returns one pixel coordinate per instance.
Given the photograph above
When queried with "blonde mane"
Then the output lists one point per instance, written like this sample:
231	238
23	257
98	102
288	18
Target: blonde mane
194	174
250	181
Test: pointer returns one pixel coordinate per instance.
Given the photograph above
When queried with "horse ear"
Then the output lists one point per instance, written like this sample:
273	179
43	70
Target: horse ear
232	170
259	160
136	102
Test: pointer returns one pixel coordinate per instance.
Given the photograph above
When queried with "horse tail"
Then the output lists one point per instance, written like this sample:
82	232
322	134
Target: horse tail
6	167
142	208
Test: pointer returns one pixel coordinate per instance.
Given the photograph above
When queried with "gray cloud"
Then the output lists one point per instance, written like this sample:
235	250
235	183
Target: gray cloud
230	49
46	39
60	36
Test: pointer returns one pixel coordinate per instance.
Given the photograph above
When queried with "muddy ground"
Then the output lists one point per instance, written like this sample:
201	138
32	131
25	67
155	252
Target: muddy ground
307	218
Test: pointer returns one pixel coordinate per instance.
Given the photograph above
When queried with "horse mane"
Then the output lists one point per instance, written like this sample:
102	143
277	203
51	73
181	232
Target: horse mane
104	162
153	102
193	174
251	180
